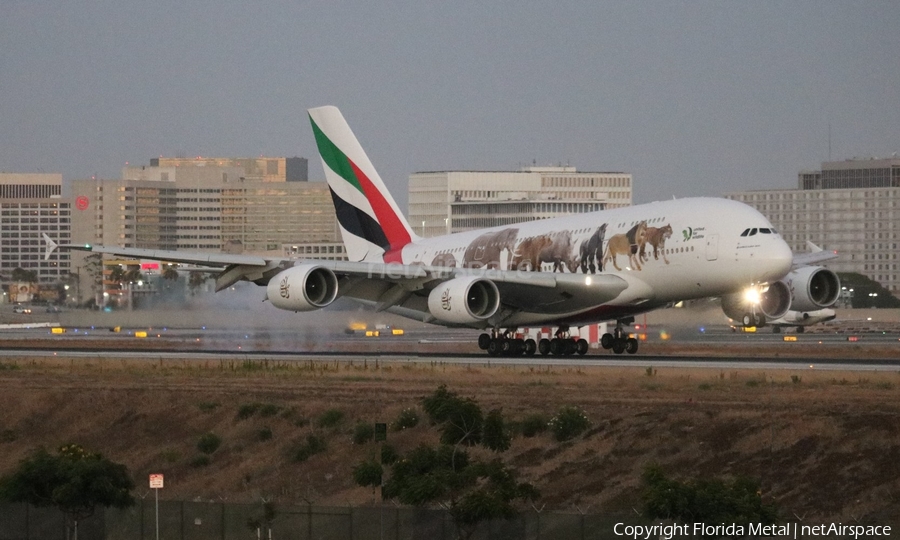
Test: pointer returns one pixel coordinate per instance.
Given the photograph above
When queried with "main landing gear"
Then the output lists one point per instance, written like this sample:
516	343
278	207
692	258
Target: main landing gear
620	341
509	343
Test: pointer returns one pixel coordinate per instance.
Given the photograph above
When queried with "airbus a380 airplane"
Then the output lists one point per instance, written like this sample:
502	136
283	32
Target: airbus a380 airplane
579	269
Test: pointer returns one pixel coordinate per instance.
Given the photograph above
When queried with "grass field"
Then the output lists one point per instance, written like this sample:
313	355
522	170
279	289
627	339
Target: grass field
825	445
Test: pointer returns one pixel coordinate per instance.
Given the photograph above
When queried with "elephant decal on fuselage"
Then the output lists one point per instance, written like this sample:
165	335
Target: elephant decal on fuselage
485	251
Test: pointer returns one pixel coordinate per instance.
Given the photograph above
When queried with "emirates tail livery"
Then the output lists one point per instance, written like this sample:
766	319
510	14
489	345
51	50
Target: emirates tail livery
580	269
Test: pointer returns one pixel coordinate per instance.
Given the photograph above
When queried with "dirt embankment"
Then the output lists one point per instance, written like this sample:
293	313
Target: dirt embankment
826	445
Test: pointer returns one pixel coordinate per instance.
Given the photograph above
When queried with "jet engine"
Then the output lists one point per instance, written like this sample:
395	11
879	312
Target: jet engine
464	300
757	304
303	287
812	288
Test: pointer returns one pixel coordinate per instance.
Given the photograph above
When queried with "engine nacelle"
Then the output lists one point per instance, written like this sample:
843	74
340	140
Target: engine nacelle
812	288
464	300
756	305
304	287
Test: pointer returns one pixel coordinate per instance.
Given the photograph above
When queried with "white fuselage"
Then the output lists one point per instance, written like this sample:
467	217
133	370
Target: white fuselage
692	248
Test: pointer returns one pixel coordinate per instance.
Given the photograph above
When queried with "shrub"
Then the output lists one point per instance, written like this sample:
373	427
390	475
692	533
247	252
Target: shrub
209	443
389	454
368	473
265	434
495	434
312	446
7	436
247	410
170	455
269	409
461	419
363	433
207	406
569	423
534	424
408	418
330	418
200	461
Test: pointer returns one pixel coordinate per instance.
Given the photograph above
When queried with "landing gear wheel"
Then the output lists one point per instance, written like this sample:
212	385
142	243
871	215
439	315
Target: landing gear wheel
569	347
581	347
748	320
607	341
494	347
544	347
506	346
483	341
776	329
530	347
518	347
800	329
618	346
631	345
556	347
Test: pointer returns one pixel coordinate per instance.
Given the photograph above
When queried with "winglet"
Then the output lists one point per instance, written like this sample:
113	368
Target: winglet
815	255
51	246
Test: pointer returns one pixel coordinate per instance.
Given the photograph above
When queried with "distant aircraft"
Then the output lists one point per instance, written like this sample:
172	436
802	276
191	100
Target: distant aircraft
574	270
801	319
812	290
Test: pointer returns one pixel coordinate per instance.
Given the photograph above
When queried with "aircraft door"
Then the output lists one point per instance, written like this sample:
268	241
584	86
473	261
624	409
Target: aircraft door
712	247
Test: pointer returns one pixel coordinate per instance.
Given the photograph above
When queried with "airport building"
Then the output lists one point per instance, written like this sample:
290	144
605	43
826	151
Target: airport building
851	206
261	207
262	169
206	207
31	205
456	201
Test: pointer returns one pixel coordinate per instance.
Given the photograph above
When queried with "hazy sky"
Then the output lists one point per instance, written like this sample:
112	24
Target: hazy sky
692	98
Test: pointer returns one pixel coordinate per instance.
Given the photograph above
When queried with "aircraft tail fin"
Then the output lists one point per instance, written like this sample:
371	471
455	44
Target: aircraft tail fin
372	227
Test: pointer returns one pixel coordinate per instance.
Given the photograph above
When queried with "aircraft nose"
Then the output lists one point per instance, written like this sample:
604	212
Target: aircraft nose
779	258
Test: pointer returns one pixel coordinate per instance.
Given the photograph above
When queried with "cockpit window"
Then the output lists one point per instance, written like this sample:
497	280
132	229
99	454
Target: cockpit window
746	232
752	232
765	231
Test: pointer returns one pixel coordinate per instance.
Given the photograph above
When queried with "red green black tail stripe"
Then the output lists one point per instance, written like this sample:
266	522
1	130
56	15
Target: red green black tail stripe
387	229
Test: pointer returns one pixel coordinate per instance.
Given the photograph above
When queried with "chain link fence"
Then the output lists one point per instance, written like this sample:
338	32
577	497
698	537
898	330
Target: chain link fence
185	520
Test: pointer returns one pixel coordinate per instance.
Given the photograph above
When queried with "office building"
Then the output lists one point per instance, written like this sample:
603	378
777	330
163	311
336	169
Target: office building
30	206
850	206
455	201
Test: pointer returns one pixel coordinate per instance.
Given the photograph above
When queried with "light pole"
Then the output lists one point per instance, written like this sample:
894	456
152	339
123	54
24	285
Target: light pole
447	225
423	228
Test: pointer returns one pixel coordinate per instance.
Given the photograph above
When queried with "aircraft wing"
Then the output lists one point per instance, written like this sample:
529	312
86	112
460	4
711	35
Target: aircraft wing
815	255
389	285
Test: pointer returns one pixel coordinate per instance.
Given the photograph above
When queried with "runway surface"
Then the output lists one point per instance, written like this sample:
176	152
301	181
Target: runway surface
720	348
